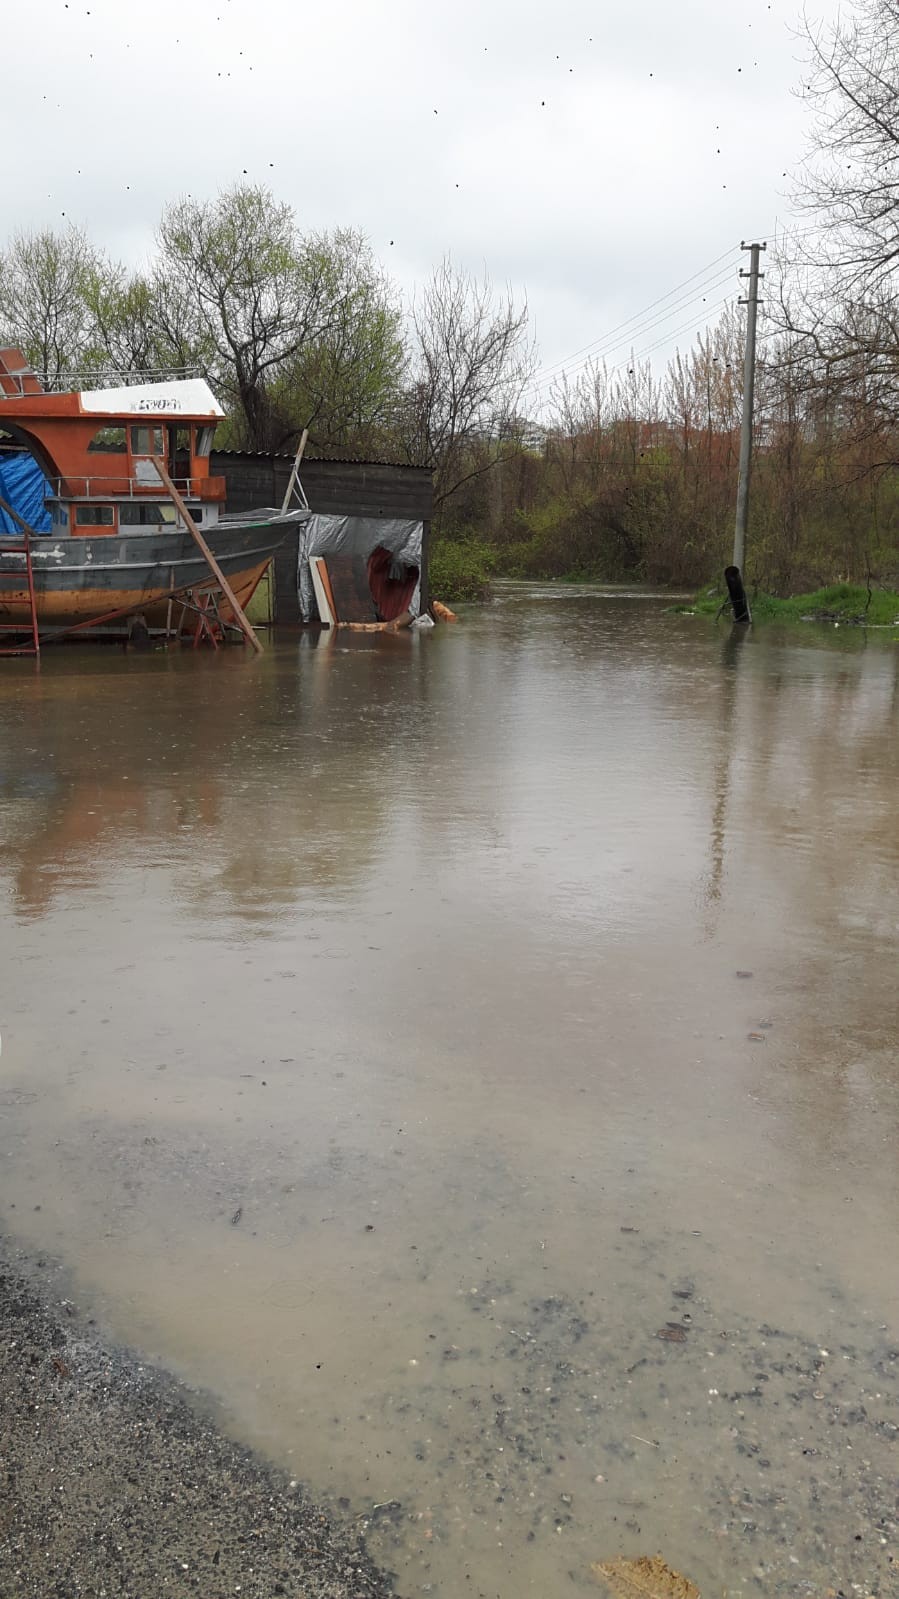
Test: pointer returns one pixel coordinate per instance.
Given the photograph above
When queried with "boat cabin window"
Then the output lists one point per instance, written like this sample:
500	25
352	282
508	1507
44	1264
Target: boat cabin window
147	441
204	440
95	516
135	514
108	441
179	453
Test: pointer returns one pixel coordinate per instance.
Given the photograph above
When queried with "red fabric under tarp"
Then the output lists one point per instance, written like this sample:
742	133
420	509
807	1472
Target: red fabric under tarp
392	596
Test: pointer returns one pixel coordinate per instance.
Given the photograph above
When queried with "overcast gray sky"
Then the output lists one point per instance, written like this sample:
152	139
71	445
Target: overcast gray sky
592	154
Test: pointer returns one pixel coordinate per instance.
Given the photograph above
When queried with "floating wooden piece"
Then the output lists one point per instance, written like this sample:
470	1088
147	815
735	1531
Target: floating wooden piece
645	1578
396	626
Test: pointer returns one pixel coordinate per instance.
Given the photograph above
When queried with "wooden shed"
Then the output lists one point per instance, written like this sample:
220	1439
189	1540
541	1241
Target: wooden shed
333	488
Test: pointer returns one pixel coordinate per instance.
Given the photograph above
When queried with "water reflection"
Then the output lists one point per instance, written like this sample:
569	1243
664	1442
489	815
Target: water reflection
422	953
731	657
269	787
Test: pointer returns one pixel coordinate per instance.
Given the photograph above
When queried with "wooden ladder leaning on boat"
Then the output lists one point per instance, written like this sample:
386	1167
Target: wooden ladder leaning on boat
20	546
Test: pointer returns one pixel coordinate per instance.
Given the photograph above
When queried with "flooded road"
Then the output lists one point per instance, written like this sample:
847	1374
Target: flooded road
471	1059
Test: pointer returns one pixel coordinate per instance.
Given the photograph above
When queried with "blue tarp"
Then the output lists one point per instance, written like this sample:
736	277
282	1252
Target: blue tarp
23	484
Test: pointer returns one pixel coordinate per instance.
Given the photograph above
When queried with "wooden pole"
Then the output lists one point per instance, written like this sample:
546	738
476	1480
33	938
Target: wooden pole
242	622
294	470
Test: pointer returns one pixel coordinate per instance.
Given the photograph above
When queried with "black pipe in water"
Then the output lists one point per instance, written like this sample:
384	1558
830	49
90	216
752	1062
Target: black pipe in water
735	589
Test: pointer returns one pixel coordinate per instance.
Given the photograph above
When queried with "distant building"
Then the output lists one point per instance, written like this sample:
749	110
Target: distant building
533	437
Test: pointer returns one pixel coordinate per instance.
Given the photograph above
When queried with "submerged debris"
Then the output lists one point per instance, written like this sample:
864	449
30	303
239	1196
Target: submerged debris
645	1578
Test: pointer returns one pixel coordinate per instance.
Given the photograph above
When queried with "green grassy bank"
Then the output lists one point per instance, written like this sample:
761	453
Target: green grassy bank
841	602
462	566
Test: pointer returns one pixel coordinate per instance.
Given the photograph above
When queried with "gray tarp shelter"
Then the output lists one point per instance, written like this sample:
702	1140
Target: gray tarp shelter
380	491
354	535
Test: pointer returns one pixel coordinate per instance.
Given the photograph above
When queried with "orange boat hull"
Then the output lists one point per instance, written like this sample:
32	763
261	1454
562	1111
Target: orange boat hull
105	581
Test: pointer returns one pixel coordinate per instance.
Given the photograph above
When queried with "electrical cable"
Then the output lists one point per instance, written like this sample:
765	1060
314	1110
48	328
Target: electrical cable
637	325
550	375
639	316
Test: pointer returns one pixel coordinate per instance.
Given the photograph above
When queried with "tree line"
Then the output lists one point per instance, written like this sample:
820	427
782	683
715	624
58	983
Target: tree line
292	329
636	476
616	474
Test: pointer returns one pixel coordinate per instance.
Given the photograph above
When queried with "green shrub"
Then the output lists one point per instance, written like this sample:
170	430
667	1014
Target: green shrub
556	540
460	569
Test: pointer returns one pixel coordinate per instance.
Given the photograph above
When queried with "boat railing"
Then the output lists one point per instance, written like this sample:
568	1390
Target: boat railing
128	488
111	377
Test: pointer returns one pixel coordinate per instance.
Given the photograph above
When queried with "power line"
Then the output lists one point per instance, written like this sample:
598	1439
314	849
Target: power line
636	325
674	334
641	355
638	355
550	375
640	315
640	329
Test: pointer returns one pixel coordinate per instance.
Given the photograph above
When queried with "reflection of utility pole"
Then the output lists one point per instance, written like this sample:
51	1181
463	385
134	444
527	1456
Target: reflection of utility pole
727	744
735	573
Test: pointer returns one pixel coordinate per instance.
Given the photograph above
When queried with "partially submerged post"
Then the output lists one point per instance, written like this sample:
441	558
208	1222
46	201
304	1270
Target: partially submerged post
735	589
752	304
239	615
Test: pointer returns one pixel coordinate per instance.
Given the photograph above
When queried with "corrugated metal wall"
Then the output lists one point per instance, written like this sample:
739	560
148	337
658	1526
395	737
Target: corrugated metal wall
338	488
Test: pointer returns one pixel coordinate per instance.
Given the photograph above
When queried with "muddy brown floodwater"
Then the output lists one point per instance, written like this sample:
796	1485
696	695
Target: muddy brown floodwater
471	1059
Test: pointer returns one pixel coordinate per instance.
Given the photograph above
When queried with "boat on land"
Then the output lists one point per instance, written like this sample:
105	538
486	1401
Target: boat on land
118	544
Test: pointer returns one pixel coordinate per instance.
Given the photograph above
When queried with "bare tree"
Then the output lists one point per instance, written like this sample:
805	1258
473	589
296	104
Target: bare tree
850	181
43	309
834	287
471	360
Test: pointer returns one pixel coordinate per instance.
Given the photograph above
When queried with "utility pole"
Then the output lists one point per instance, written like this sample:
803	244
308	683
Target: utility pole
741	611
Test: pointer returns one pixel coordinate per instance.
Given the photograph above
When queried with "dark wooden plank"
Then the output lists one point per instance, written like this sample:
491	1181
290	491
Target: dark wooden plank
353	599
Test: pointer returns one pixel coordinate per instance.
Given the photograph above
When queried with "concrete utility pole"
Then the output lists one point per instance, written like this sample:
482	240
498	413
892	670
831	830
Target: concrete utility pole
752	305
